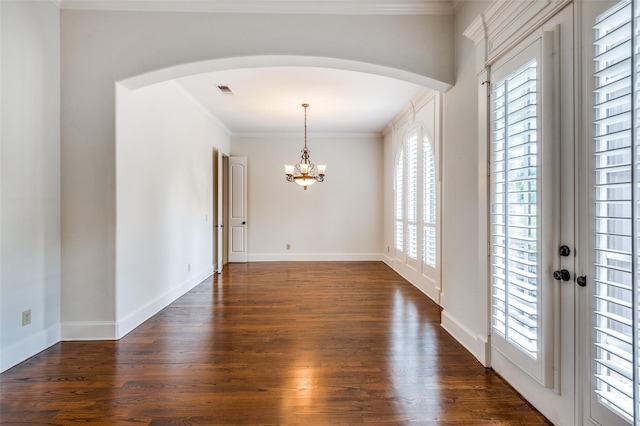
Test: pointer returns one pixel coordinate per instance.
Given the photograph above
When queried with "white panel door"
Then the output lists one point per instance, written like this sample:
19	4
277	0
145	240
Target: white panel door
237	209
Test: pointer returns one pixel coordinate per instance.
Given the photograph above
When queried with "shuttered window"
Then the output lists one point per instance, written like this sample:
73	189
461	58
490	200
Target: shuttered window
416	206
399	192
412	196
514	216
428	205
613	252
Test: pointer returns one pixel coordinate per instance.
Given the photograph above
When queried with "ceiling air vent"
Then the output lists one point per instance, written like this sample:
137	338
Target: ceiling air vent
225	90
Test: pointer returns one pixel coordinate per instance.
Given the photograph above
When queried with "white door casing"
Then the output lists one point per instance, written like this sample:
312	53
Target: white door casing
220	213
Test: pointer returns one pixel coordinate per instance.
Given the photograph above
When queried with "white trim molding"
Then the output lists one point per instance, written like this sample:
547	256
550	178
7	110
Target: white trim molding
315	257
28	347
478	345
127	324
88	330
505	23
324	7
206	111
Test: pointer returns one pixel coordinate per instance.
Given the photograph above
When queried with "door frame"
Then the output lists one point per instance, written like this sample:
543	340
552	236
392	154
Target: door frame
221	210
502	27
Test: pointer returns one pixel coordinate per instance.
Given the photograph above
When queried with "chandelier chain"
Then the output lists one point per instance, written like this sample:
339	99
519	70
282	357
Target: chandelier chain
305	124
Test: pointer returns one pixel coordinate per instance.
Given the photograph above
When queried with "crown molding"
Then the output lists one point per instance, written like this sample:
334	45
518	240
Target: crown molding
56	3
298	135
199	105
457	4
477	30
408	111
326	7
505	23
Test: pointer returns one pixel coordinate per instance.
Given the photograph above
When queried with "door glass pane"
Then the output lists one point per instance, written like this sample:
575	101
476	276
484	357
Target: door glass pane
613	272
514	216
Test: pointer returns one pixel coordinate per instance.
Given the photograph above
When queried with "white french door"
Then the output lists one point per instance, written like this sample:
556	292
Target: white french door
612	383
532	247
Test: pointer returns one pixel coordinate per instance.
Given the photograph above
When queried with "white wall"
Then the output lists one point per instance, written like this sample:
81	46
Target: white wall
164	153
338	219
29	178
99	48
464	313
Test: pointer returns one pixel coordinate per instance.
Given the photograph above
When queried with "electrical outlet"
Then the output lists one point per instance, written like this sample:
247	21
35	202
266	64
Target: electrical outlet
26	317
288	246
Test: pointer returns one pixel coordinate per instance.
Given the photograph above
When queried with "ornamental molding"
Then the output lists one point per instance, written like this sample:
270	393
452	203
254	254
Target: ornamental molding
327	7
507	22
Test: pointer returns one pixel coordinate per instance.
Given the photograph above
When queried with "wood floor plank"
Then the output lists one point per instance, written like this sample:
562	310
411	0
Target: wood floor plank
309	343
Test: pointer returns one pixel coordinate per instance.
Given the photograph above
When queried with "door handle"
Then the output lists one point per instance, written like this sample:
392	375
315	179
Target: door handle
562	274
244	223
582	281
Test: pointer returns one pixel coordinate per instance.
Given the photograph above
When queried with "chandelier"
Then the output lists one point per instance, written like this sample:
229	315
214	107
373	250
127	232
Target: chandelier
304	173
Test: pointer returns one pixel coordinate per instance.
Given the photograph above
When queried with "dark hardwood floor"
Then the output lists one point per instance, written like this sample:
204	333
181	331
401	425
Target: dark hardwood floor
318	343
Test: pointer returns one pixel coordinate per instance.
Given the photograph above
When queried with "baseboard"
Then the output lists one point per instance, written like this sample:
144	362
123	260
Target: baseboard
28	347
479	346
388	260
88	330
114	330
314	257
127	324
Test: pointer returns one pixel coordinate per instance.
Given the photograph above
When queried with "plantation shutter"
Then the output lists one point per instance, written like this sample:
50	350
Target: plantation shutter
615	277
412	196
429	205
399	188
514	217
523	222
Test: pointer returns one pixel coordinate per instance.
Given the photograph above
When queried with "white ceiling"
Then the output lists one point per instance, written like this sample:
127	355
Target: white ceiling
268	100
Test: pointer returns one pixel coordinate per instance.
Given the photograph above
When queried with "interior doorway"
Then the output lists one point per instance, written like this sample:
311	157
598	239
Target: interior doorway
221	209
225	210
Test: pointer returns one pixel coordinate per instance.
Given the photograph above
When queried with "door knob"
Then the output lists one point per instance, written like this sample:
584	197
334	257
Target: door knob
562	274
582	281
565	250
